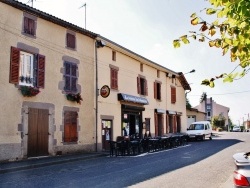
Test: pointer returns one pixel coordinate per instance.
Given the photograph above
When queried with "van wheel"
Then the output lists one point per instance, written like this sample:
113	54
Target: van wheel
210	137
203	138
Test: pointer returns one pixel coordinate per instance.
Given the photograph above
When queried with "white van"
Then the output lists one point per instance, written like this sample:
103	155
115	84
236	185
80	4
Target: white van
200	130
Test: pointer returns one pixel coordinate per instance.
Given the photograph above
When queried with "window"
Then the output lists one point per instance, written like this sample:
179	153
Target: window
113	55
114	78
71	40
141	67
142	87
208	114
29	26
173	95
158	74
70	126
70	75
26	68
208	107
157	90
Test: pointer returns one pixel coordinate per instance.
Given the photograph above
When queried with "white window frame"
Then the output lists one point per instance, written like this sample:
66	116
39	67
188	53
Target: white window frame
26	69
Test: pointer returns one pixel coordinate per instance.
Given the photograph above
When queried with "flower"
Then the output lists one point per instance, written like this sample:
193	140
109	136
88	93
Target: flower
28	91
74	97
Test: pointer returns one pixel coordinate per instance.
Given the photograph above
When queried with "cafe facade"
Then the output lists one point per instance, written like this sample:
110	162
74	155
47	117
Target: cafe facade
144	98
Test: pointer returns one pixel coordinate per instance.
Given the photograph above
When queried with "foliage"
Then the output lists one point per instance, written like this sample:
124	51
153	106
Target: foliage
28	91
203	97
230	32
218	121
188	105
74	97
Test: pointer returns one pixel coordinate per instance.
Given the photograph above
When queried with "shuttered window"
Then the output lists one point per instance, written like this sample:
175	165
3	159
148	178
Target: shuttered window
113	55
26	68
173	95
142	86
29	26
71	40
157	90
70	126
114	78
70	76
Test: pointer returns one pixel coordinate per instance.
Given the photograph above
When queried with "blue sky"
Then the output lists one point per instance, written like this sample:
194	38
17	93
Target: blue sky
148	28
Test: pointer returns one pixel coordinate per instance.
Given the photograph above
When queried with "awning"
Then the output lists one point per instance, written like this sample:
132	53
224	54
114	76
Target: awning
160	111
171	112
131	98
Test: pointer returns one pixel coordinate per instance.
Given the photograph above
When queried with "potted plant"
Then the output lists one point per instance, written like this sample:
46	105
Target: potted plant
28	91
74	97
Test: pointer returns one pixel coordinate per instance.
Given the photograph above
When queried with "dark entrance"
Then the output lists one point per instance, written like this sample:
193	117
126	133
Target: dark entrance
106	134
38	125
132	121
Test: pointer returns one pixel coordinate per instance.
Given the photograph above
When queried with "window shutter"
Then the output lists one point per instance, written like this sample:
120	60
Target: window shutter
114	79
138	85
14	65
146	87
26	25
70	40
67	76
155	90
159	91
40	71
173	95
73	77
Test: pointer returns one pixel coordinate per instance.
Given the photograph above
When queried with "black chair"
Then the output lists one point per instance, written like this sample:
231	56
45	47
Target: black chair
113	148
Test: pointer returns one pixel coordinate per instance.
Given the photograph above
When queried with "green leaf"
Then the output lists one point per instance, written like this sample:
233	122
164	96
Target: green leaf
184	39
211	84
176	44
210	11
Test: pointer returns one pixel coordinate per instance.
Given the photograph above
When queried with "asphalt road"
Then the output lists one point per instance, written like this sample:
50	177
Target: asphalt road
207	164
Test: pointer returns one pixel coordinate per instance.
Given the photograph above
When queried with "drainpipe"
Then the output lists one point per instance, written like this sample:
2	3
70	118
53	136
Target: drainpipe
98	44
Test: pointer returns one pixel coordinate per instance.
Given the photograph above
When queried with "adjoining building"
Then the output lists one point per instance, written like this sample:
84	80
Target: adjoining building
144	99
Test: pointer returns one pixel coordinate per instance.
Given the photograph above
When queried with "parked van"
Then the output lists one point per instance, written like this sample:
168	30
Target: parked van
200	130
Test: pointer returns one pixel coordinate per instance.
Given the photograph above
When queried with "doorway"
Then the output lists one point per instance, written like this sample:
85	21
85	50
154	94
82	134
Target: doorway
38	126
106	134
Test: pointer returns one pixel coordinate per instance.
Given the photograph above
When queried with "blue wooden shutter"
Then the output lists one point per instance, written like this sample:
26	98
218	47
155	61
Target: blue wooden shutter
67	76
70	77
73	77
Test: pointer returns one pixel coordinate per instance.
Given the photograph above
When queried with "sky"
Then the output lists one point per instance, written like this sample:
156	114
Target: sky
148	28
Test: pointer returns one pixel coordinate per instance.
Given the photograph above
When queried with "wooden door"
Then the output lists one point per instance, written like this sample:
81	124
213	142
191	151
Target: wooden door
106	134
38	125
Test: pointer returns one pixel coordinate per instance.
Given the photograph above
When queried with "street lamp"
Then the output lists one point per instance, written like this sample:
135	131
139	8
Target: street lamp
181	73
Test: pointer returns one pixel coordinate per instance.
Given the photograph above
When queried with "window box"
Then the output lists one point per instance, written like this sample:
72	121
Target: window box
28	91
74	97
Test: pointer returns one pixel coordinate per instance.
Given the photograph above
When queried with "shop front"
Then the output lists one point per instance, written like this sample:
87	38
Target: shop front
131	115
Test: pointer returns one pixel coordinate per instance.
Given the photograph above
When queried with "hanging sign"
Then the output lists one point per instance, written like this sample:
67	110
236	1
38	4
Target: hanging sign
105	91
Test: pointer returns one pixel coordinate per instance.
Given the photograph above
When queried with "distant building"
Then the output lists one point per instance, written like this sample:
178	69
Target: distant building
211	108
194	114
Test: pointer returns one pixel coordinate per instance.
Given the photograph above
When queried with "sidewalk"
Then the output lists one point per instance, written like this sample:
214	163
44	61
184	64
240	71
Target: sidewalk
37	162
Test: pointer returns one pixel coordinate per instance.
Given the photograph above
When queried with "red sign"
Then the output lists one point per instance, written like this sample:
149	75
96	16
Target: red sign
105	91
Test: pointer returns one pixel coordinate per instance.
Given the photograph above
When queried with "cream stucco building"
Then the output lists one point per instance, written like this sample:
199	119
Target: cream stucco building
144	97
65	89
41	51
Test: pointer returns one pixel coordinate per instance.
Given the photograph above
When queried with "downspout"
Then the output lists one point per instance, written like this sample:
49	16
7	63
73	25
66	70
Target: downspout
96	96
98	44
